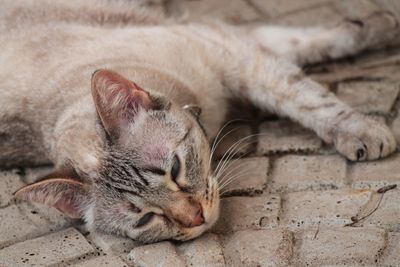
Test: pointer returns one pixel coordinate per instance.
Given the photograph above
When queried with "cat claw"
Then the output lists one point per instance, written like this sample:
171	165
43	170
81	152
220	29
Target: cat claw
361	139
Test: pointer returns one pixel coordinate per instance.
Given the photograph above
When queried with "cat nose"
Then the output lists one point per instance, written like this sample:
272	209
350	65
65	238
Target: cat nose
199	218
187	213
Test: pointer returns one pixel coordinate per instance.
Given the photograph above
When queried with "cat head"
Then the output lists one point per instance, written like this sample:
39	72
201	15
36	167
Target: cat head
153	181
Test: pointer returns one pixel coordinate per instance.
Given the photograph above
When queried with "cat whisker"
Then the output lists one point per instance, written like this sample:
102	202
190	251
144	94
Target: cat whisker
214	149
219	132
224	175
216	141
221	173
233	179
232	151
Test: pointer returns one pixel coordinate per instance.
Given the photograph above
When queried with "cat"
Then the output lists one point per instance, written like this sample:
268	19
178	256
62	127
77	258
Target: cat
126	105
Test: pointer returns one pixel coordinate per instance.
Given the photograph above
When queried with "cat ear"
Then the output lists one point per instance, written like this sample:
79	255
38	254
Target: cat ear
66	195
117	100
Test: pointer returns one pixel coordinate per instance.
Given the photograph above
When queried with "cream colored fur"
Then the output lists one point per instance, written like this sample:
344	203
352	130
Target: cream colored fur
50	49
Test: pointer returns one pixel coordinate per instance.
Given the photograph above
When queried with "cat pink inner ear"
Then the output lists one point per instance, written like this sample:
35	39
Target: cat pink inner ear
66	195
117	99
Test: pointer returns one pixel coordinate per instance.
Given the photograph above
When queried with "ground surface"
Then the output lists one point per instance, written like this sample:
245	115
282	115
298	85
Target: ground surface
296	195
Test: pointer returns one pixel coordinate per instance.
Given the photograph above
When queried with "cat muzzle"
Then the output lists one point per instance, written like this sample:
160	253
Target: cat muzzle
189	216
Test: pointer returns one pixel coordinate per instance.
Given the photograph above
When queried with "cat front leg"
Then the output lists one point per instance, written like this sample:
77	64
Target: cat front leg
278	85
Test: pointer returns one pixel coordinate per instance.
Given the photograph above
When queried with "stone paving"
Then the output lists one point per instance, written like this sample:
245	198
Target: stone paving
298	203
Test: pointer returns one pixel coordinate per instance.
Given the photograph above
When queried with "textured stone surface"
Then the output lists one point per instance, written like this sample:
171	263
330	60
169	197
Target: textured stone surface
45	217
48	250
161	254
14	226
391	257
329	208
285	136
111	243
9	183
376	174
258	248
369	97
204	251
239	213
103	261
248	176
295	173
347	246
384	212
349	72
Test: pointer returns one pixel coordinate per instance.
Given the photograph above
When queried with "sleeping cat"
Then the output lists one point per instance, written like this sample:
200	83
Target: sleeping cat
116	106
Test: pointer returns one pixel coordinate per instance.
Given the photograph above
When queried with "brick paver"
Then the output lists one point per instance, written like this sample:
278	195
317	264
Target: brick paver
340	246
52	249
294	202
249	176
258	248
369	97
376	174
330	208
285	136
157	254
102	261
205	251
387	214
392	255
238	213
107	243
9	183
14	226
299	173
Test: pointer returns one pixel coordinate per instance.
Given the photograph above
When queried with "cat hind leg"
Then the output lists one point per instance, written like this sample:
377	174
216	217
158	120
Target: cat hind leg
307	45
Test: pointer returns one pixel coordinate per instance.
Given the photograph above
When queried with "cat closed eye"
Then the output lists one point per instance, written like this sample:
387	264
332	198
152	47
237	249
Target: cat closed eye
175	171
176	168
145	219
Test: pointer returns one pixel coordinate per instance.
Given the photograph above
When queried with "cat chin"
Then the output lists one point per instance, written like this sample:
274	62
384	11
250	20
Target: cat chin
191	233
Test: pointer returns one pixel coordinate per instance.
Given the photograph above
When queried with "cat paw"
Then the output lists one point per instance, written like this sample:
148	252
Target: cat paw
380	28
360	138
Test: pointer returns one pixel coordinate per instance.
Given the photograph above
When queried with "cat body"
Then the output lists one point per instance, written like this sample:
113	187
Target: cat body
141	158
